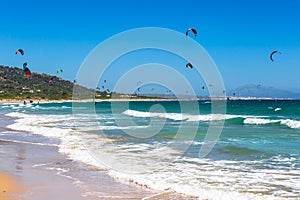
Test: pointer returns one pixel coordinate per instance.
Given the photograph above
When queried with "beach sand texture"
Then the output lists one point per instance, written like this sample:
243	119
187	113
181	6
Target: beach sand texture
33	171
38	172
8	187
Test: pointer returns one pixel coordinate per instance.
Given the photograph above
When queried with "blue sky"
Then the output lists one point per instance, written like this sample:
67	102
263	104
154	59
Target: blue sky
239	35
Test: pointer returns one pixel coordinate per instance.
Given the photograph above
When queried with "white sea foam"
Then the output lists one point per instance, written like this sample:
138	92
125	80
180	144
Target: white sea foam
99	127
6	106
213	180
248	119
173	116
37	124
260	121
213	117
156	164
38	107
291	123
179	116
201	177
47	125
27	105
20	106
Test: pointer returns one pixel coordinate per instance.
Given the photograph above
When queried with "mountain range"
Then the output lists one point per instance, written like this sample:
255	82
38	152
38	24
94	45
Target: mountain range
260	91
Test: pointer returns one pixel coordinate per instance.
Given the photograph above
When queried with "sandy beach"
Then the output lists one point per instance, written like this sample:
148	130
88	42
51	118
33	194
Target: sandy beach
19	160
8	187
32	171
223	98
26	178
86	100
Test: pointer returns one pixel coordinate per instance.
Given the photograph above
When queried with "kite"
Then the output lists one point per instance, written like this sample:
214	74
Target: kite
189	65
192	30
20	51
27	71
271	55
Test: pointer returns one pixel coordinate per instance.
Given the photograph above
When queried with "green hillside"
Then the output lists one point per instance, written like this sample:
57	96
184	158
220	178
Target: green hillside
15	85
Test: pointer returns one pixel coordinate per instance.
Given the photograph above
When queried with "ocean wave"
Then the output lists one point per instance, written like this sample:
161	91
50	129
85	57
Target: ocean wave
157	166
22	106
38	107
173	116
181	117
259	121
192	176
229	118
291	123
5	106
96	128
45	125
186	175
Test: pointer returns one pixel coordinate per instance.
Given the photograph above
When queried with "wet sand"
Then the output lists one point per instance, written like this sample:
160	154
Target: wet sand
43	173
32	171
18	160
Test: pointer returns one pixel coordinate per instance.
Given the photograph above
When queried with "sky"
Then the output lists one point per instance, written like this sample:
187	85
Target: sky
238	35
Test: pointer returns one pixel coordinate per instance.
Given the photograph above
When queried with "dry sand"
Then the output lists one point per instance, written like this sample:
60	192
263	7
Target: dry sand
9	187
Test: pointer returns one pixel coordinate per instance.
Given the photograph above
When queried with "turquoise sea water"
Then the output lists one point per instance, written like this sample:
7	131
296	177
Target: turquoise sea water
257	155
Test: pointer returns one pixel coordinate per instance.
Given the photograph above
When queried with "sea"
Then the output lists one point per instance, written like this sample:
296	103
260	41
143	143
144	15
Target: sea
255	154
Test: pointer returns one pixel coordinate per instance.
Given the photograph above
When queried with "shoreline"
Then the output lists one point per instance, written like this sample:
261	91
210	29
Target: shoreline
230	98
32	180
11	101
36	183
43	173
73	169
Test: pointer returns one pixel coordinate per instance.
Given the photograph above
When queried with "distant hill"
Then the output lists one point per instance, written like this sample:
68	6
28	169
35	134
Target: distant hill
259	91
15	85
